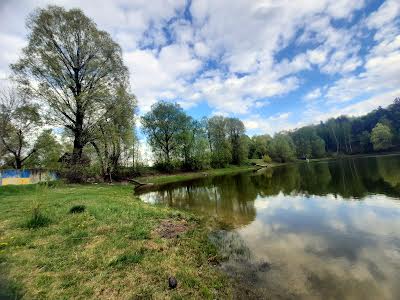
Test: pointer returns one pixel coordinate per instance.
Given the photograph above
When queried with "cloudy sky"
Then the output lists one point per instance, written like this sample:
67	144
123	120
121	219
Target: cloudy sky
275	64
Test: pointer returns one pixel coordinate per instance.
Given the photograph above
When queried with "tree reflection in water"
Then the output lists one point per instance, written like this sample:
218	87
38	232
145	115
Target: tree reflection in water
328	230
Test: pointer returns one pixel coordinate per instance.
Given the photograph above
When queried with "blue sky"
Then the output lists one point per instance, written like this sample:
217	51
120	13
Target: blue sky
276	65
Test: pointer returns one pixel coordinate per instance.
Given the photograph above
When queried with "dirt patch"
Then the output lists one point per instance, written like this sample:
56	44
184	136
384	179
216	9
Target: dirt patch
171	229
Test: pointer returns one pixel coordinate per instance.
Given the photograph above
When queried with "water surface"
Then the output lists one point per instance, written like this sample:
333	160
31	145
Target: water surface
326	230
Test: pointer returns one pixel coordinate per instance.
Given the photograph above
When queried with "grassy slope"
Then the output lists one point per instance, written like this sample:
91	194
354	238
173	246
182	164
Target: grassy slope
110	251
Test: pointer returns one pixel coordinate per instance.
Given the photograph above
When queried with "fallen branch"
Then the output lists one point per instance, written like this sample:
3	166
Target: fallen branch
137	182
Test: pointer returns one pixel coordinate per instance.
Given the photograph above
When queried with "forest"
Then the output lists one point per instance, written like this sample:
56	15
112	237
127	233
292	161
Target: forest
70	108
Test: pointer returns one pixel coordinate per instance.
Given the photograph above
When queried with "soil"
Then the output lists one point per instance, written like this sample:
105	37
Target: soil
171	229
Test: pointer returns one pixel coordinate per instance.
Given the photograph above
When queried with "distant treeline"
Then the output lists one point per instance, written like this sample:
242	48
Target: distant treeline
377	131
179	141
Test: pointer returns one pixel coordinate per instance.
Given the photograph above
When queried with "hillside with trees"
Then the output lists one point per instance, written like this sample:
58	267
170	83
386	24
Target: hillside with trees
377	131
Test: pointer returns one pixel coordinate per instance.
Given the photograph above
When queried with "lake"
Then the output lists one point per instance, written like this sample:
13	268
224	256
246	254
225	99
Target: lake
322	230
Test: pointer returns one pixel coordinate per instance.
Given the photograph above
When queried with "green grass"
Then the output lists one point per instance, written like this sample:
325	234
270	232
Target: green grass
110	250
37	219
162	179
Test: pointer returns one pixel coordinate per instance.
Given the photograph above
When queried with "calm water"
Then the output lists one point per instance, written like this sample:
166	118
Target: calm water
326	230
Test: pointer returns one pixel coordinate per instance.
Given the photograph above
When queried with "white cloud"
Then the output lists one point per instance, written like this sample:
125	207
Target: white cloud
230	54
11	46
385	15
314	94
270	125
177	60
381	69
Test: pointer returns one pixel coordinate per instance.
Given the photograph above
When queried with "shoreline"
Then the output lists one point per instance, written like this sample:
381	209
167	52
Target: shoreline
160	179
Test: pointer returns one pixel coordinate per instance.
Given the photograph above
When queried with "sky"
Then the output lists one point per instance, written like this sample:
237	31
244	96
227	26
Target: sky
275	64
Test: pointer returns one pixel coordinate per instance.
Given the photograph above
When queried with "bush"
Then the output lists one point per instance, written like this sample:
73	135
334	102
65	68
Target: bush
79	173
77	209
164	167
267	159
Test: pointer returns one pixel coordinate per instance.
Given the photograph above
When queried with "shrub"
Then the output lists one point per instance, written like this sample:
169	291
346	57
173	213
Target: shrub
37	219
164	167
267	159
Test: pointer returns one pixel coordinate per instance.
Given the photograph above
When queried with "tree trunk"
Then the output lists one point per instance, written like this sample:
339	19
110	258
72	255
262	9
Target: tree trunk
18	163
79	117
78	139
336	140
77	152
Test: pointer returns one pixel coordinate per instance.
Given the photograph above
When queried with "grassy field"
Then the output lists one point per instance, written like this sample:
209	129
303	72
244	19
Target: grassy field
115	249
161	179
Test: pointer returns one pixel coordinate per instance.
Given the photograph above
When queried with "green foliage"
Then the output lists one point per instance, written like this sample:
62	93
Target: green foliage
318	147
267	159
178	140
381	137
227	140
219	144
48	152
113	135
236	136
73	67
194	146
19	120
365	141
164	126
259	145
37	219
308	144
282	148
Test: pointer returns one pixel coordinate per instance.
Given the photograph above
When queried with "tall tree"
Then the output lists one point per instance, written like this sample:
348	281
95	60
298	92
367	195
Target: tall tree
365	141
236	135
282	148
308	144
219	144
164	126
194	146
19	121
259	145
333	133
73	67
114	134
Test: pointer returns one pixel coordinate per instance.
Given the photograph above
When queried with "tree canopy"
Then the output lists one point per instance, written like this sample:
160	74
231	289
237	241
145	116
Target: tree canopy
73	67
19	121
381	137
164	126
